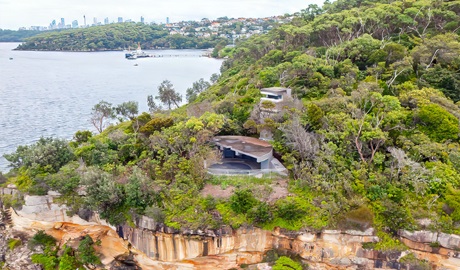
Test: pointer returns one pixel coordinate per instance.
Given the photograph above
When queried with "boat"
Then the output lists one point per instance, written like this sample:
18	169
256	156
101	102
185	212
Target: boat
137	53
11	58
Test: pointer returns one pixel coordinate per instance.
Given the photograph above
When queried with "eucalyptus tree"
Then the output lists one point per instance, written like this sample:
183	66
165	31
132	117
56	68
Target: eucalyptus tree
101	115
127	110
167	95
197	87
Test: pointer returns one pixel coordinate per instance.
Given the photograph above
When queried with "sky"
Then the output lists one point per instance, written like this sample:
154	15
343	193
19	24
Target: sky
26	13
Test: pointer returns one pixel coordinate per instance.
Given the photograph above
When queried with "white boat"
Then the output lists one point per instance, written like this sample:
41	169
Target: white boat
137	53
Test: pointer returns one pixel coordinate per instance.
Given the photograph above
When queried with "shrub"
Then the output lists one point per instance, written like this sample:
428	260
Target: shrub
82	136
13	243
289	209
47	262
261	213
242	200
42	239
410	261
438	123
285	263
86	253
388	243
67	261
14	201
156	124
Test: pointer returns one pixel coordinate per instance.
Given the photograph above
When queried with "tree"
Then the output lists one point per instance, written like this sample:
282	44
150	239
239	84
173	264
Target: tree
128	110
197	87
438	123
105	195
311	12
214	77
167	95
82	136
153	106
306	144
139	191
439	50
47	155
101	115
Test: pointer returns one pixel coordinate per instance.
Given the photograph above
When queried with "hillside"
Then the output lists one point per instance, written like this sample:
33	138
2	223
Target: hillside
117	36
377	132
371	137
16	36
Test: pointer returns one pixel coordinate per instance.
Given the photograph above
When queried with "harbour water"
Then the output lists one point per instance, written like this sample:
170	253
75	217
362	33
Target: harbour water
51	94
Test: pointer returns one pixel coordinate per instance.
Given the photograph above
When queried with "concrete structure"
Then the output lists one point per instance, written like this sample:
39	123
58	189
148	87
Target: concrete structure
245	148
276	94
245	155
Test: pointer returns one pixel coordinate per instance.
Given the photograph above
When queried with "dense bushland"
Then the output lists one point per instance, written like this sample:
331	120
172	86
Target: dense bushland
371	137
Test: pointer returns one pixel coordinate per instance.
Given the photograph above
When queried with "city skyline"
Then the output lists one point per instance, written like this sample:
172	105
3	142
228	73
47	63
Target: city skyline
26	13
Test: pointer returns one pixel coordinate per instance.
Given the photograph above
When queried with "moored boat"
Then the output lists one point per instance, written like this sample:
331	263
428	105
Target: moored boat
137	53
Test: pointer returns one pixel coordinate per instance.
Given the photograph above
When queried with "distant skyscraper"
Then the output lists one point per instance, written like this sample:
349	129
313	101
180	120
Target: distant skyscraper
94	21
167	20
120	19
84	19
62	25
142	19
75	24
106	20
53	24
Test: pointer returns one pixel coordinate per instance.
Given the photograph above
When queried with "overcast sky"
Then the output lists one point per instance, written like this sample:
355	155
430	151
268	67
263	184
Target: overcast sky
18	13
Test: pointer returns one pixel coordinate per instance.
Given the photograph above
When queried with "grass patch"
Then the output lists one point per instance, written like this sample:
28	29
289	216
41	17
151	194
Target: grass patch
14	243
385	243
230	217
243	181
294	213
412	262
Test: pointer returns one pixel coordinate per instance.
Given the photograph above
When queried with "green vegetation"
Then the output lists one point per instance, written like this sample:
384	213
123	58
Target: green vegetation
64	257
16	36
116	36
412	262
13	243
371	137
284	263
386	244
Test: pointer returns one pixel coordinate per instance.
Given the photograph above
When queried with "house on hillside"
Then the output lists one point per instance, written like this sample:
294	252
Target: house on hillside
273	100
245	155
276	94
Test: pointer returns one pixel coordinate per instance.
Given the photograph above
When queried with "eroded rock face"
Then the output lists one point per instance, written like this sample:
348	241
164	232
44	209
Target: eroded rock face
17	256
420	236
154	246
115	253
330	249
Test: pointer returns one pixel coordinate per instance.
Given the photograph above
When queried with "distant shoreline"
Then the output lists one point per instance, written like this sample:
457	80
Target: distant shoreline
107	50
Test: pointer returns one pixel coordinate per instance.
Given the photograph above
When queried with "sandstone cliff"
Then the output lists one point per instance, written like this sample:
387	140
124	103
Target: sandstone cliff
150	245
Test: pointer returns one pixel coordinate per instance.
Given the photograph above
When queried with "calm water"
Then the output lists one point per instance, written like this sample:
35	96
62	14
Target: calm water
52	93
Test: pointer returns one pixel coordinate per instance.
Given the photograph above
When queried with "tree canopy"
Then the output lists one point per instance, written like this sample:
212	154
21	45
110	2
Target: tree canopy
117	36
370	137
